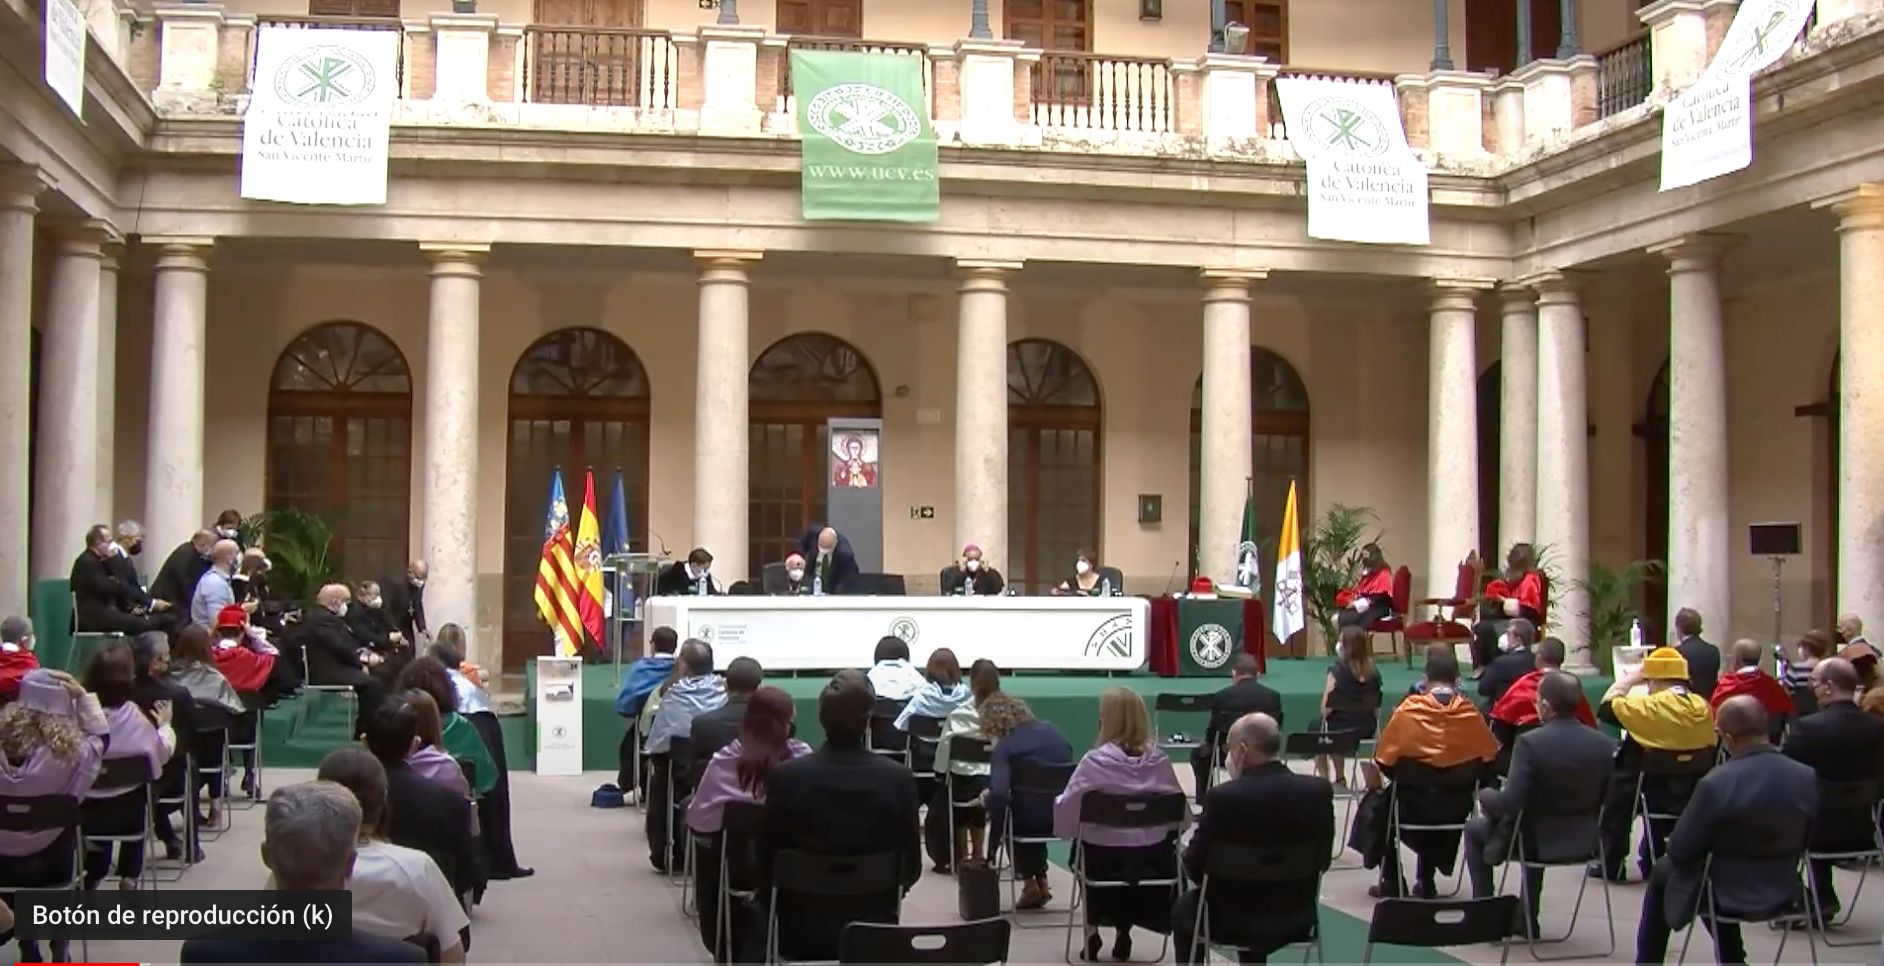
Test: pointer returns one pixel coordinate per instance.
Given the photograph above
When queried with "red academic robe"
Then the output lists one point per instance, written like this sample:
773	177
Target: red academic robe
247	670
1518	705
15	661
1529	594
1377	583
1770	693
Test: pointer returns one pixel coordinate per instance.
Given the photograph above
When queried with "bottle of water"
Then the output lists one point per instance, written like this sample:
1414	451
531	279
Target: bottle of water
817	585
701	588
1635	633
1105	587
968	585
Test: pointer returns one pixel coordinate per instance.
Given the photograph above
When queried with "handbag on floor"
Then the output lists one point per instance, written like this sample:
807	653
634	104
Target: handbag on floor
977	891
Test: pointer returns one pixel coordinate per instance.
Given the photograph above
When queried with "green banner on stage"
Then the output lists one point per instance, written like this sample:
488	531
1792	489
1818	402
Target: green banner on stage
1209	636
869	153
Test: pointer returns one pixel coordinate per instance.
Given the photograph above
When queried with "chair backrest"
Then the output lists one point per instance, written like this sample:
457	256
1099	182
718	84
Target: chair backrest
1230	862
889	708
1418	774
966	749
38	813
1182	703
1848	797
976	943
124	772
213	717
429	943
1035	778
805	873
1116	577
1308	744
1402	590
1692	763
470	770
925	728
742	825
1114	810
1465	587
1431	923
1543	600
772	577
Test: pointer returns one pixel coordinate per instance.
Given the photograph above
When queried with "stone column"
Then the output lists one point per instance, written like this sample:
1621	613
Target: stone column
1224	467
721	428
19	187
1451	432
107	382
1517	422
1563	462
1442	37
981	410
449	529
1698	557
173	473
1861	401
66	461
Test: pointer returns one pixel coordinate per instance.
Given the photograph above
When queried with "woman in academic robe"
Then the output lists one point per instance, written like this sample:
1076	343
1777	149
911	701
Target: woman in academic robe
1371	598
1519	593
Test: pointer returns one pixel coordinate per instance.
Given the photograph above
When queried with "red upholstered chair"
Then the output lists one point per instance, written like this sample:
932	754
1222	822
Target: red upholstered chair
1451	618
1394	625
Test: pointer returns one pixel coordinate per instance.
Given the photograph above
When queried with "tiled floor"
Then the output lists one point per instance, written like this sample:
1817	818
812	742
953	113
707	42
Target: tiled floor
594	899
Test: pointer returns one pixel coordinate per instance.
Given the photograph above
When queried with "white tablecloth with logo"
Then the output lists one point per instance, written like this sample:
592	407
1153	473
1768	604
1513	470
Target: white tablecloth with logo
819	633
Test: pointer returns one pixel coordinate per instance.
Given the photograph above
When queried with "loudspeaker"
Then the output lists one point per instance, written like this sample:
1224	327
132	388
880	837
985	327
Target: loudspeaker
1774	539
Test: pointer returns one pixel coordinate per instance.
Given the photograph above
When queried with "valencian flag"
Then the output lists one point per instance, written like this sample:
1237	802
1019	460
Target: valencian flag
588	562
555	575
1289	616
1248	571
868	152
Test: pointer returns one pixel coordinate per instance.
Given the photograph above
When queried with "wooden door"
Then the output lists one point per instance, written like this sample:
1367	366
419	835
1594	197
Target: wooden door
589	13
821	18
1268	23
589	62
1050	24
1491	33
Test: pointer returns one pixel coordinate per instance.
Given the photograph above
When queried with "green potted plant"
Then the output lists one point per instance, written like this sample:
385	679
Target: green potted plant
1612	592
300	547
1331	563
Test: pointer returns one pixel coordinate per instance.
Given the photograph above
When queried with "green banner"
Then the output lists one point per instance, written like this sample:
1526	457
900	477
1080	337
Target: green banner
869	151
1209	636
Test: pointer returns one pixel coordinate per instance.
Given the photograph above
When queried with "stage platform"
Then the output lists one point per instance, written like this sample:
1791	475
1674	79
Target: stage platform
1070	701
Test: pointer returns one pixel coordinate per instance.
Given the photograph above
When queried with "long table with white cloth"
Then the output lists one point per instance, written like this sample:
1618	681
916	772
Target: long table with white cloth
822	633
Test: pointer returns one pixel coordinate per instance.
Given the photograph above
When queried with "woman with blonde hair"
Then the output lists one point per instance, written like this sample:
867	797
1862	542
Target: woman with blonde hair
1125	760
1350	698
52	742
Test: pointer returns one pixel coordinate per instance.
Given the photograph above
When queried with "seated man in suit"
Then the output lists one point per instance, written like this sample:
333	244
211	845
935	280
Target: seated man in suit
1263	806
1440	728
1840	743
713	730
692	577
334	657
176	578
1666	717
1245	696
1557	759
972	576
104	602
795	584
833	562
1756	793
839	800
1514	661
1703	658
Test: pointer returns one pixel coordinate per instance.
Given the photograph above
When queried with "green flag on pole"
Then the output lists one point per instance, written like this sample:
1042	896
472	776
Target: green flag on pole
869	153
1248	571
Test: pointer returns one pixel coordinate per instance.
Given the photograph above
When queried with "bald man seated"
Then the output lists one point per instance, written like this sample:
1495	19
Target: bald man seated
334	656
832	563
1264	805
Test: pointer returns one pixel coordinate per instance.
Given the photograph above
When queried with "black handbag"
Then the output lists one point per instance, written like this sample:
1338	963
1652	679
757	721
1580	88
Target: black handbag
977	891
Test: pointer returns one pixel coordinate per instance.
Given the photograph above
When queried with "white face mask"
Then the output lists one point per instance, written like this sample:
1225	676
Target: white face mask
796	573
418	582
1082	568
340	609
972	565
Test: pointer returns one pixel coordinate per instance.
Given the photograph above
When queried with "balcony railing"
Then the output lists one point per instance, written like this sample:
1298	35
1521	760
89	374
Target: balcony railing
389	24
789	105
600	67
1279	128
1625	74
1096	92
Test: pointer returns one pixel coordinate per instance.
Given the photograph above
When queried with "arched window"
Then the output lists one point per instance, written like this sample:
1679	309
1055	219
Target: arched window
1654	433
796	385
1053	419
340	442
578	401
1278	451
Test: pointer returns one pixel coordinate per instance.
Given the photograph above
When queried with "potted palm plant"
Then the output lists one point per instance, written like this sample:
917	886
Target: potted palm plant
1331	563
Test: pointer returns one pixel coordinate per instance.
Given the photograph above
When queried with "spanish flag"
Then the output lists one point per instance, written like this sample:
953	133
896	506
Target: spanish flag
588	563
555	576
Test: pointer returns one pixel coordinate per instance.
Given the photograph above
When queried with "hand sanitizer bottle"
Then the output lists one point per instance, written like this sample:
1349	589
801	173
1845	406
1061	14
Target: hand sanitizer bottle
1635	633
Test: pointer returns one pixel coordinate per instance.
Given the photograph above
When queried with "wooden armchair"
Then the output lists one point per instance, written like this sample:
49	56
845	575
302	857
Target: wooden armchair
1450	621
1394	625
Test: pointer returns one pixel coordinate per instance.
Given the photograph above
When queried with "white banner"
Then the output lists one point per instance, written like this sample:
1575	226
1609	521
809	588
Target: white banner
1707	130
320	116
1364	182
65	52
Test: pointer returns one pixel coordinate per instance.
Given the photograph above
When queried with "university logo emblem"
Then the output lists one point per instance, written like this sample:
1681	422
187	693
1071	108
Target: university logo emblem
704	632
1765	39
1112	637
326	77
863	118
1210	646
1345	128
1248	574
905	630
559	732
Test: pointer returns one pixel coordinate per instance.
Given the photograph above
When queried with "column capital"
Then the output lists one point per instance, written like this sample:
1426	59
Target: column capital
1516	296
726	266
984	275
181	253
1861	207
1229	284
1694	252
21	185
82	238
1553	287
1458	294
455	259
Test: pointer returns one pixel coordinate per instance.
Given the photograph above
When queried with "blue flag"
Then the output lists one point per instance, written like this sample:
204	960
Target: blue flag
615	528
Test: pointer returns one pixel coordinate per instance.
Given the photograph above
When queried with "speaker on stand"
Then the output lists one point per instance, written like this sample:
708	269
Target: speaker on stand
1776	542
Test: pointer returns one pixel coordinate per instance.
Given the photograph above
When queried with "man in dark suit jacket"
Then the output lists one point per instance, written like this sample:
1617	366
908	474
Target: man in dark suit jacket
1703	658
333	653
1555	767
839	800
1840	743
1265	806
176	579
1514	661
404	600
422	814
692	577
717	728
103	601
833	562
972	576
1757	798
1244	696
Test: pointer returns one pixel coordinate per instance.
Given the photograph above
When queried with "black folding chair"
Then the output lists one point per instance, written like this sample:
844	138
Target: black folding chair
967	751
979	943
428	943
1574	815
209	755
1859	798
249	746
830	877
311	691
1228	863
1675	774
133	774
741	825
885	740
1309	745
46	813
679	760
1449	791
184	802
1501	765
1764	851
925	735
1034	781
1188	705
1125	812
1433	923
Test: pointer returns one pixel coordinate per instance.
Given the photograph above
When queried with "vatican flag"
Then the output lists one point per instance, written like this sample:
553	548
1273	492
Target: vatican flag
1289	617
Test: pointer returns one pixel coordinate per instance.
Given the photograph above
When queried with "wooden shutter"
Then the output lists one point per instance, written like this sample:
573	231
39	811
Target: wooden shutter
1268	23
353	8
1050	24
821	18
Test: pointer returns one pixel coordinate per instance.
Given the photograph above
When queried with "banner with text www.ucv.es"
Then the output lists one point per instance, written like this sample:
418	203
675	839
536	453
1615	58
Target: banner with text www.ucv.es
869	152
1364	182
320	116
1707	130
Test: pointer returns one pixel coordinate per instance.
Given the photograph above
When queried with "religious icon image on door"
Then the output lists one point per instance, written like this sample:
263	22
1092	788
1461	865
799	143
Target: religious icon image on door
854	459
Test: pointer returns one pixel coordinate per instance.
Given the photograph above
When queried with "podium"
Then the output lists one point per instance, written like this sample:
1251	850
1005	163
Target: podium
1200	636
629	579
559	716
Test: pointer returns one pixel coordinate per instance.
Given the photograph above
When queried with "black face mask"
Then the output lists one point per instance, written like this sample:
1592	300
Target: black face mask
135	549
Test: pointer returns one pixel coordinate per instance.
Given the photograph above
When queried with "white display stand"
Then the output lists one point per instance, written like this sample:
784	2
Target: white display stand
558	716
822	633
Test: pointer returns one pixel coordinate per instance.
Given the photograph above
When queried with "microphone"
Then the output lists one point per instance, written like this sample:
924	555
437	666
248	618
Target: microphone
1171	581
662	541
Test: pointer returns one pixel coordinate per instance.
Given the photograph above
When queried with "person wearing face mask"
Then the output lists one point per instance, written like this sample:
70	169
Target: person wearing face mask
125	549
229	527
1264	805
795	584
833	567
1371	598
404	600
972	577
176	579
1090	579
216	589
373	629
103	601
692	577
334	657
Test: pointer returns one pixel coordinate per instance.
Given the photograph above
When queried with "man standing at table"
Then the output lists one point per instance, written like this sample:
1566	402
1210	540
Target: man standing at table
833	563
